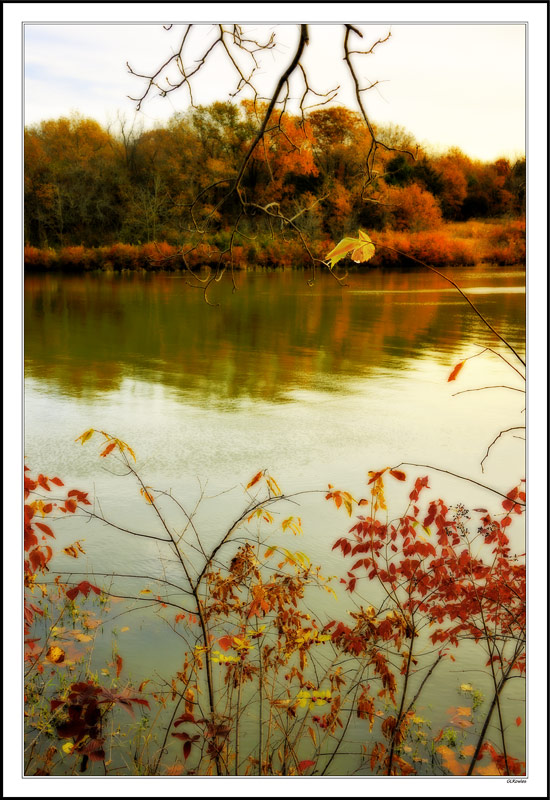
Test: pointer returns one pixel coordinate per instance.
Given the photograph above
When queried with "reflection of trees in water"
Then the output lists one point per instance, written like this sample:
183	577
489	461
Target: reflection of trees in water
87	334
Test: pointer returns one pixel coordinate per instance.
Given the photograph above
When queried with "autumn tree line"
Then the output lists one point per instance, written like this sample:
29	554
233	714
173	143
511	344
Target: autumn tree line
91	187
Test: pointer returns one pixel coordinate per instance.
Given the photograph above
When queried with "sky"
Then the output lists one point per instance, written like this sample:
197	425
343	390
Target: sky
448	84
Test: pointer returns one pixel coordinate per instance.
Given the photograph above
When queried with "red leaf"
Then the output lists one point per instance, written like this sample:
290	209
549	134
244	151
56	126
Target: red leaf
398	474
518	721
186	750
43	481
184	718
455	372
70	505
140	700
72	593
45	529
57	481
118	665
303	765
255	479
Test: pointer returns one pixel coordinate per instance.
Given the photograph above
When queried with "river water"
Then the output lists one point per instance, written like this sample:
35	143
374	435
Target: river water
318	384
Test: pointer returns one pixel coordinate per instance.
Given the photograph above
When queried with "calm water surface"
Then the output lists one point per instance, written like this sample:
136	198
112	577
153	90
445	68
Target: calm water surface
317	384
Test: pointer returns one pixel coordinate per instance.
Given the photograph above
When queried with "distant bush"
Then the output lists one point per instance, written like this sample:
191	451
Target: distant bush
412	208
506	243
434	248
40	259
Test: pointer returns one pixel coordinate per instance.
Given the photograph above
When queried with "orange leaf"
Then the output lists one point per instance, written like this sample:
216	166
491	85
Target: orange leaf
108	449
118	665
490	769
398	474
518	721
449	760
455	372
255	479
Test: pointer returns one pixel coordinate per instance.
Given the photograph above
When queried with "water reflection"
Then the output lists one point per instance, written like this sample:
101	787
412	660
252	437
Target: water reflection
85	335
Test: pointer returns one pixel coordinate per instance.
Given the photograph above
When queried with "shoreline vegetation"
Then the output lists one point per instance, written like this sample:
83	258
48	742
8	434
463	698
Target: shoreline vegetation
125	198
500	242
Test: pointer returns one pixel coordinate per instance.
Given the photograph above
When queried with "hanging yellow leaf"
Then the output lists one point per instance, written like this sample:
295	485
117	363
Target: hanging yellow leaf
361	249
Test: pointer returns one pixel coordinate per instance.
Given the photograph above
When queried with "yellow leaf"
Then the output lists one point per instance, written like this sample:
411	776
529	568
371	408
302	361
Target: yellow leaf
361	249
55	654
104	671
312	734
123	630
85	436
68	747
273	485
83	637
295	525
146	591
466	687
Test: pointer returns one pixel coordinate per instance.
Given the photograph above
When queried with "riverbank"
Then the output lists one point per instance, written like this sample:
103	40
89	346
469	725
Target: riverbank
454	244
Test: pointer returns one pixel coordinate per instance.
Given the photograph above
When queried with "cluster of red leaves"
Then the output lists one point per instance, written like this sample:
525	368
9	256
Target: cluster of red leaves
442	578
428	564
38	555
